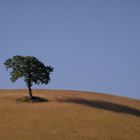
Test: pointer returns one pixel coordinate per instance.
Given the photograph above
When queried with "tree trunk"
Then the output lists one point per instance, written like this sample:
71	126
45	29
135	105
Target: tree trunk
30	91
29	87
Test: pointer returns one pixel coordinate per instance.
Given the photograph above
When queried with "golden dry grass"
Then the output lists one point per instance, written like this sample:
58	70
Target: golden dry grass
68	115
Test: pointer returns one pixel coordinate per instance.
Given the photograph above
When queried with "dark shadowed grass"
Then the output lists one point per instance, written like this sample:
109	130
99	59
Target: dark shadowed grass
35	99
106	105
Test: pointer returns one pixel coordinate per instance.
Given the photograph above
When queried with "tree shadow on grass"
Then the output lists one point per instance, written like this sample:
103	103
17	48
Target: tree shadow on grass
35	99
103	105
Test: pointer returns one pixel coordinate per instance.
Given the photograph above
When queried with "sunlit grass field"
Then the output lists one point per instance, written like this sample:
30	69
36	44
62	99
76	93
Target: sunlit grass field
68	115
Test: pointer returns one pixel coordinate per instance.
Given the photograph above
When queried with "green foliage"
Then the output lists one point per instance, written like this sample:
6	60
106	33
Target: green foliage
30	68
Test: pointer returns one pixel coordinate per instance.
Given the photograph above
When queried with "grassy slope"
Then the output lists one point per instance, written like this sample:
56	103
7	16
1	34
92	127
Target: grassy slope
68	115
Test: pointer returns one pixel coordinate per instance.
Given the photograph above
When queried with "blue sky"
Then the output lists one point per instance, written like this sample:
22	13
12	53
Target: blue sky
93	45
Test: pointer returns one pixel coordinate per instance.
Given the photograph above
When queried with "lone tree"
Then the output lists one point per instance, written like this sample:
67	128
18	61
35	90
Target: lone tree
30	69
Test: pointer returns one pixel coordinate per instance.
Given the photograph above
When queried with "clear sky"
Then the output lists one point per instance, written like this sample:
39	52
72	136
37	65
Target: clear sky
93	45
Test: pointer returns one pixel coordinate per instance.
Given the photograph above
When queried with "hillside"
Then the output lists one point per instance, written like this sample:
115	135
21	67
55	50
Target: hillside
68	115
